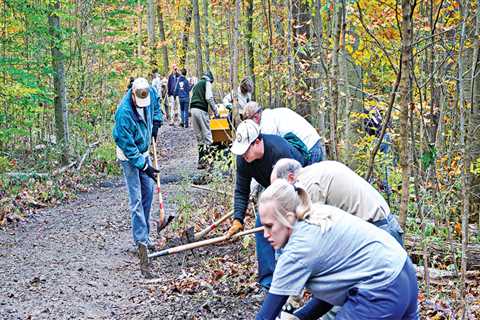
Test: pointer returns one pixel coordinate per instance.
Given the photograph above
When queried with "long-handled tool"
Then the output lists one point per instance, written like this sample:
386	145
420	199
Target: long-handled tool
161	222
145	257
199	235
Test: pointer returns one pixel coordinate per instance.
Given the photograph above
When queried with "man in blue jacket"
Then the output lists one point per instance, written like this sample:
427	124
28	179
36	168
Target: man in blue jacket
137	120
182	91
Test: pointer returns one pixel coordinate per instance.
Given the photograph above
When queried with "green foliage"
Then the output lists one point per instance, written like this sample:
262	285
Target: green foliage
5	164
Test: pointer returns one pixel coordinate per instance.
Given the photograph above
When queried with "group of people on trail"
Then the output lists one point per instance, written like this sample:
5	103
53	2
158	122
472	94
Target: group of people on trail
326	229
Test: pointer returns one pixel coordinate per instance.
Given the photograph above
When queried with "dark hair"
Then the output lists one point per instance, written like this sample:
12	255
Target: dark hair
184	71
155	70
130	83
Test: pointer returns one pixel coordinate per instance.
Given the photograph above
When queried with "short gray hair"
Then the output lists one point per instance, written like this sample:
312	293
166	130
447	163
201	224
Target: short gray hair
285	166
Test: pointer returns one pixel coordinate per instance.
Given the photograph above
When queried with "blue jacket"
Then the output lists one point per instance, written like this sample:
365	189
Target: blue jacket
171	84
132	134
183	88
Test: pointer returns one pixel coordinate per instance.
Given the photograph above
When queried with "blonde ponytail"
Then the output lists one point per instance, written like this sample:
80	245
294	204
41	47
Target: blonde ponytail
293	198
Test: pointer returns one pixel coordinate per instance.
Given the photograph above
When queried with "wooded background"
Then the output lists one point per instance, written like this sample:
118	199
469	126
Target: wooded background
65	65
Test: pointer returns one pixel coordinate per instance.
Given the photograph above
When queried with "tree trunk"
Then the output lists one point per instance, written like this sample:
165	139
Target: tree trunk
475	115
198	42
249	44
151	31
139	30
464	150
61	111
161	31
186	33
301	26
334	75
406	28
291	60
206	41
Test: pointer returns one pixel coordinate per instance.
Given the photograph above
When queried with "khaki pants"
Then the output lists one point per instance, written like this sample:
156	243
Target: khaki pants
201	126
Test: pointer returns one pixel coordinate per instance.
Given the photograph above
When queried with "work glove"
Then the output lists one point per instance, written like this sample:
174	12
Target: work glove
156	125
151	171
236	227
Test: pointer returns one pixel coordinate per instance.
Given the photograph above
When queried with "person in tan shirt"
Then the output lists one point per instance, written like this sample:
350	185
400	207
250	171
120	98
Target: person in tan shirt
333	183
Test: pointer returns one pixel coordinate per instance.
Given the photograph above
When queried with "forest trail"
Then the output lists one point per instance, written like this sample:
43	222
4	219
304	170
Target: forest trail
73	261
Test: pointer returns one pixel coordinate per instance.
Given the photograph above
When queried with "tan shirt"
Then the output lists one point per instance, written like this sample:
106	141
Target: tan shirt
333	183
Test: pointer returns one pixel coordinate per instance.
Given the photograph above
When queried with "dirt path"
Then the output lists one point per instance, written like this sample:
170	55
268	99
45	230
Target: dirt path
72	262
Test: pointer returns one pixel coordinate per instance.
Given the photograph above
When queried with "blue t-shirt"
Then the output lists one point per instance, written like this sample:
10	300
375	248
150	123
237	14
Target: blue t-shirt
352	253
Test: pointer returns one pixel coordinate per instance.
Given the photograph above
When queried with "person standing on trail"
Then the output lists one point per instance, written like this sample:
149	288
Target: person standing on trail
137	120
243	95
171	85
256	154
183	93
202	97
342	259
157	85
290	125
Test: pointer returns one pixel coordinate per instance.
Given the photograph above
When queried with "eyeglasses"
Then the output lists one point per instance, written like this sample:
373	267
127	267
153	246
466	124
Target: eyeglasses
141	93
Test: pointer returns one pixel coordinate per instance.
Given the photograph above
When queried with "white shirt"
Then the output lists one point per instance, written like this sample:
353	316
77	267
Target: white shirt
242	99
157	85
280	121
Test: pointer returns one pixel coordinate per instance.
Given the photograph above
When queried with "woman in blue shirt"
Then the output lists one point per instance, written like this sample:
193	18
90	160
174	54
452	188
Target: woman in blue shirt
182	91
341	259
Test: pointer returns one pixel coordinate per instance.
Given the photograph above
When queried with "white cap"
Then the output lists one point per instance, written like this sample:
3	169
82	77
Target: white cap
247	132
141	90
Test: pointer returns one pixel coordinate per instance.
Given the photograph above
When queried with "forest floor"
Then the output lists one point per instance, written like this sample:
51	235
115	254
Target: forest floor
75	261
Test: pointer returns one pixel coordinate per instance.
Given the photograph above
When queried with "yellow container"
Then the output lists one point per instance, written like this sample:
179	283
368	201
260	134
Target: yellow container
221	132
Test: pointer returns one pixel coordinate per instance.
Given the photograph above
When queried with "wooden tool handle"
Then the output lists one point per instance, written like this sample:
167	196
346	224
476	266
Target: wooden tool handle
202	233
160	198
201	243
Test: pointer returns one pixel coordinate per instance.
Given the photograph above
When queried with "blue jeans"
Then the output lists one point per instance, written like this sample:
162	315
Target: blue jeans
184	112
140	195
396	300
265	257
317	153
391	225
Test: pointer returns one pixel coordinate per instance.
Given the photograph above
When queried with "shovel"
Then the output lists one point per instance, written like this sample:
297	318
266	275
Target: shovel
145	257
191	237
161	222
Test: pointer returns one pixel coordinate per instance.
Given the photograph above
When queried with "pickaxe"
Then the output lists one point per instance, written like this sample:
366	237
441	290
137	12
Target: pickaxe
161	222
145	257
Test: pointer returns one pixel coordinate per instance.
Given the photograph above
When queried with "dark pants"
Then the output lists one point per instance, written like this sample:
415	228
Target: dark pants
184	111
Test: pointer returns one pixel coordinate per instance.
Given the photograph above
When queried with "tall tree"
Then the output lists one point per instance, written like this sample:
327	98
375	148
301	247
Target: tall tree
151	31
186	34
206	41
405	102
198	41
475	112
161	31
334	75
61	111
249	44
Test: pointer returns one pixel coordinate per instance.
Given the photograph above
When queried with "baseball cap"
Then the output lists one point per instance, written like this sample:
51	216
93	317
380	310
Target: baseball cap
141	90
247	132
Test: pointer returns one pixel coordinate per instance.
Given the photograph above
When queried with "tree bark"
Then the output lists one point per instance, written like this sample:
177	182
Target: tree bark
151	31
475	114
249	44
206	40
198	41
405	87
61	111
334	75
161	32
186	33
464	150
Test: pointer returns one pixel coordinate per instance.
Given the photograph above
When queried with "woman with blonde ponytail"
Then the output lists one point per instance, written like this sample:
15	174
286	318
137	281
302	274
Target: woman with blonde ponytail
343	260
